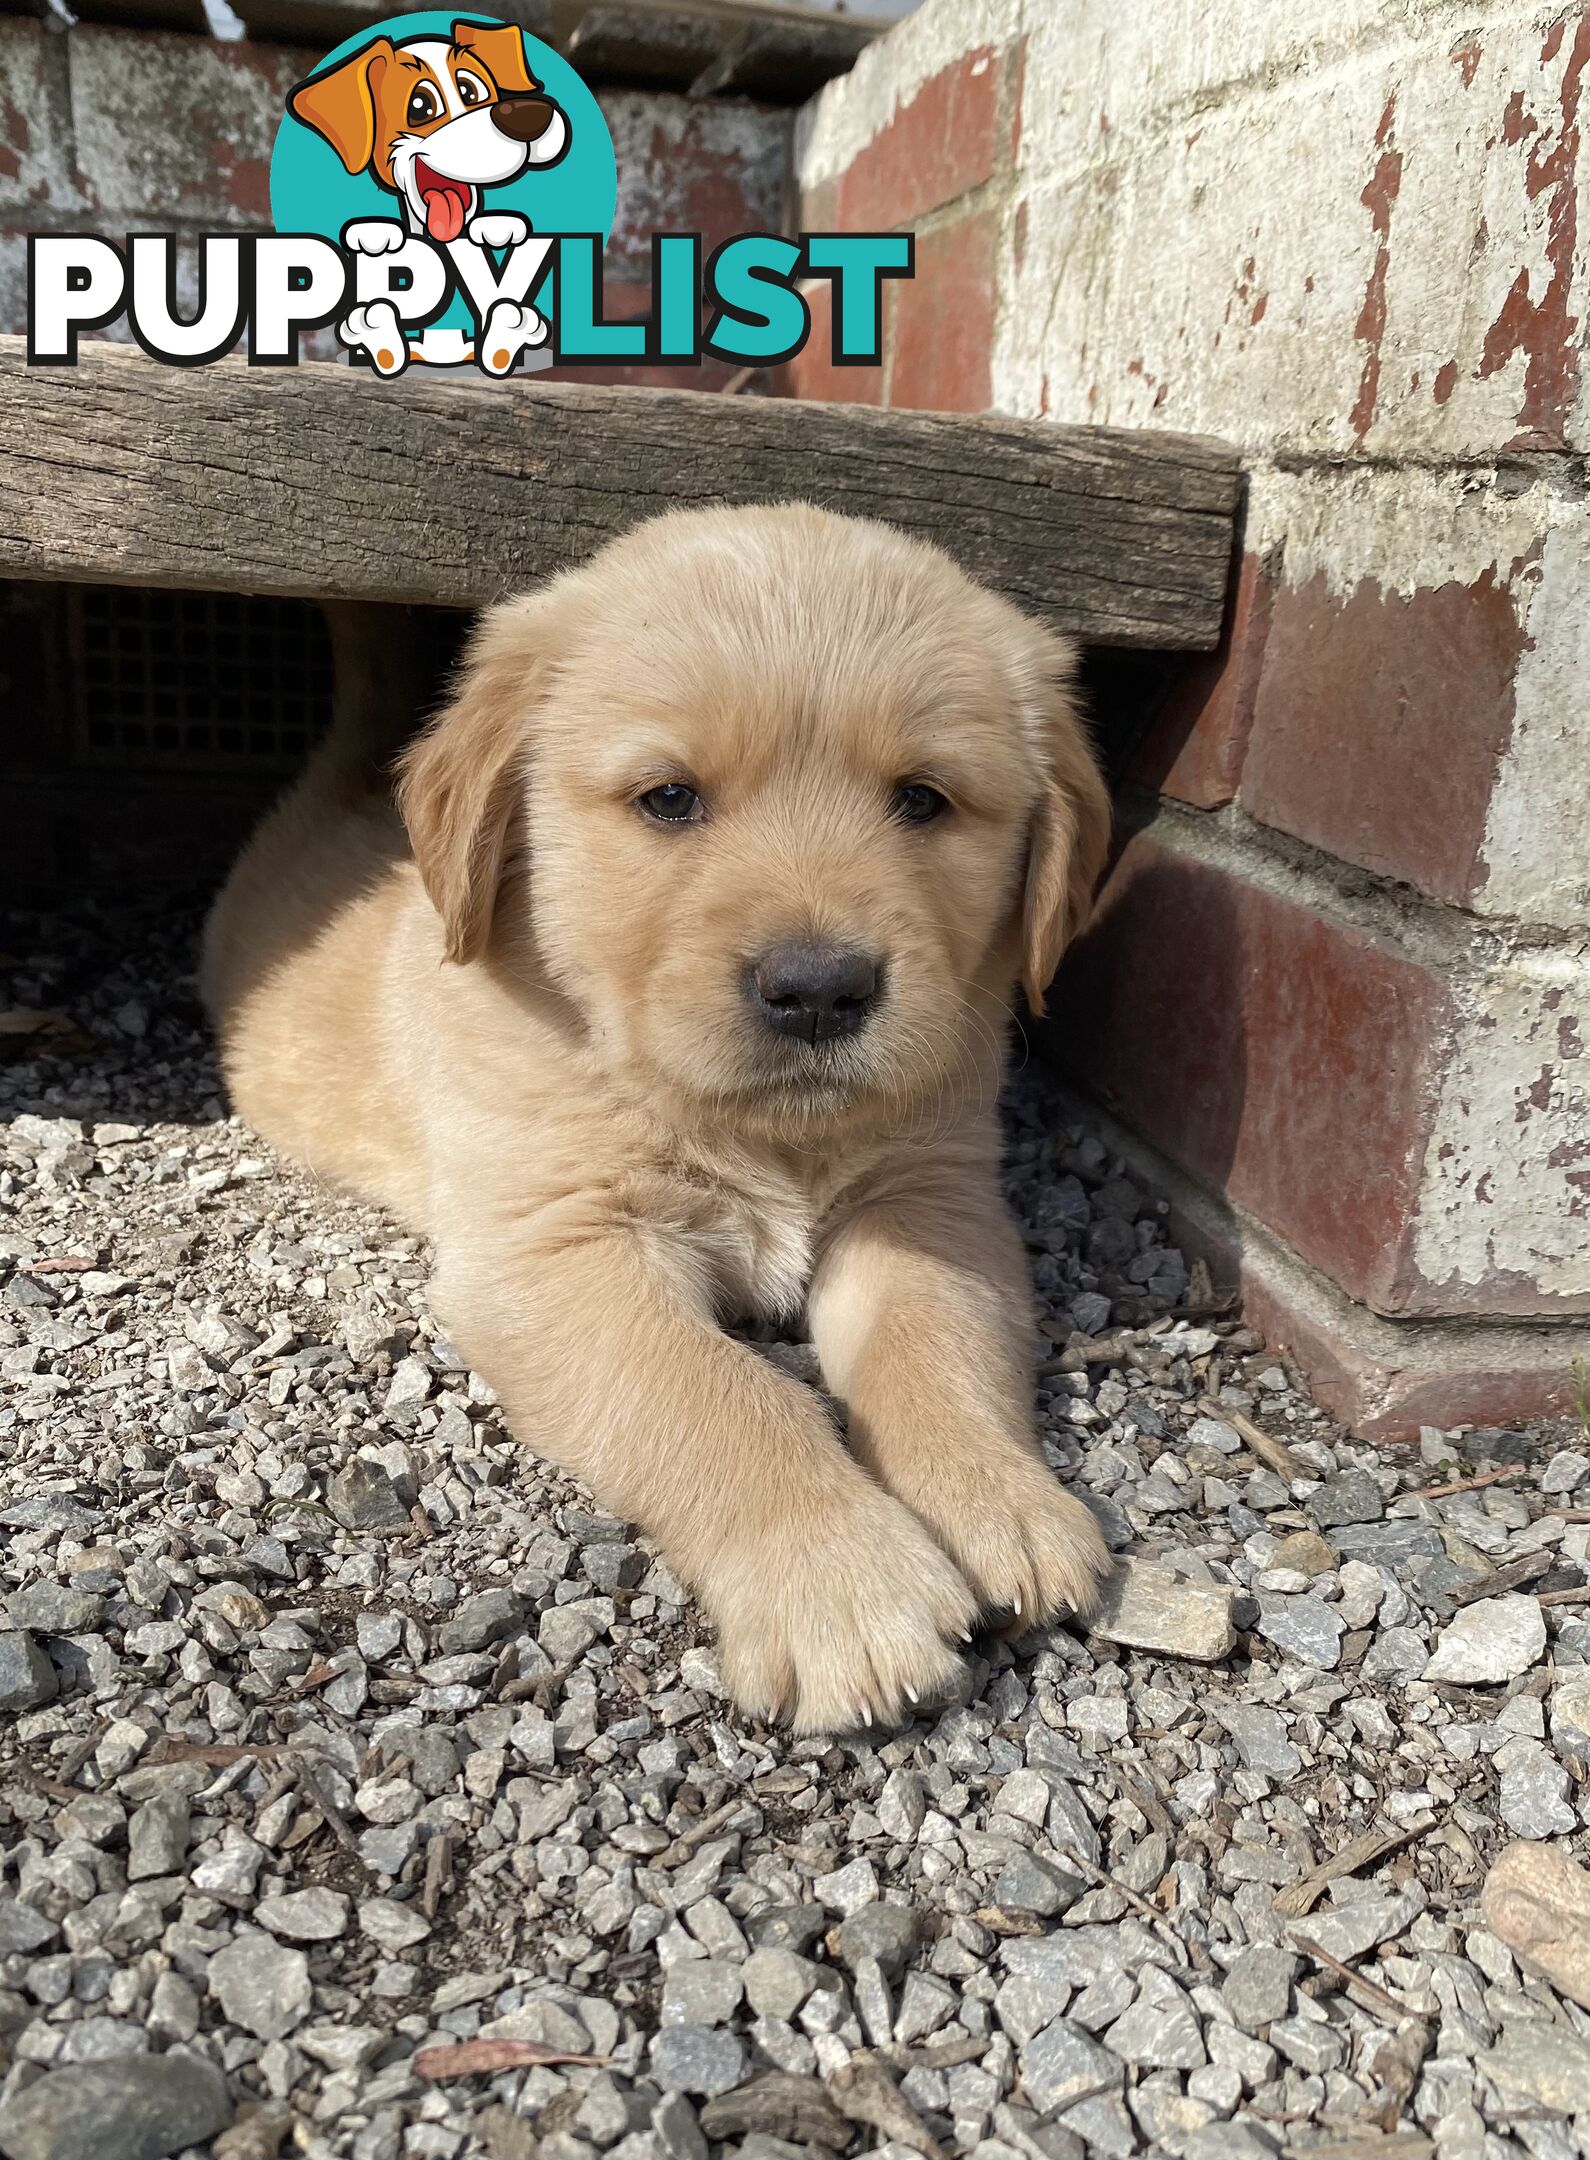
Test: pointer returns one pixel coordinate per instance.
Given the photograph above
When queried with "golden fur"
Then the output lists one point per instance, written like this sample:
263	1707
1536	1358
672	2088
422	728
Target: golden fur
525	1030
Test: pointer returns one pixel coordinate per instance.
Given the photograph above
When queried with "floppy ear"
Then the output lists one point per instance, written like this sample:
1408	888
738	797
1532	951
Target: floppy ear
340	105
502	49
461	784
1070	832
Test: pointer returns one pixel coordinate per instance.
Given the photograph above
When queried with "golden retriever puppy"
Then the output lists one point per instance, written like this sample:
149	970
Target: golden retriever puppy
683	998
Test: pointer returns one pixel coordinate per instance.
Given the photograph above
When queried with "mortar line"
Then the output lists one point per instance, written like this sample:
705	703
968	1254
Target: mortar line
1440	933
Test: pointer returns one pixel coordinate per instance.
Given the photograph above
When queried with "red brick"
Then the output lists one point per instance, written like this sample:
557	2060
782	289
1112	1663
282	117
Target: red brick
171	128
1383	1379
819	206
1379	724
941	320
693	165
1386	1391
1197	740
812	373
942	142
1280	1058
36	170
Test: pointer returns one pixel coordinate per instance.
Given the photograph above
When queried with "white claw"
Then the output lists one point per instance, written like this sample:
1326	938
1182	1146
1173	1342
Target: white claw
911	1691
866	1717
1018	1604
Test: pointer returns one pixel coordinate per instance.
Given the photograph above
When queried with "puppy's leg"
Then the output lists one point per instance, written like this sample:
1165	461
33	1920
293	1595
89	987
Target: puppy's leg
921	1314
832	1602
379	687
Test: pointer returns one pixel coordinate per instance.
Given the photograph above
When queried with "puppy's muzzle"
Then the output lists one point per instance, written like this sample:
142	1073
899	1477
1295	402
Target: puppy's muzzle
813	992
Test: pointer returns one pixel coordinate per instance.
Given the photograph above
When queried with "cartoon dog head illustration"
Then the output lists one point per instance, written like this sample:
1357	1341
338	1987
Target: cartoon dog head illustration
436	122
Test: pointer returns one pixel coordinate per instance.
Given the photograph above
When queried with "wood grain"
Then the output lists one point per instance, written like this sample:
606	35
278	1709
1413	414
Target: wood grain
320	481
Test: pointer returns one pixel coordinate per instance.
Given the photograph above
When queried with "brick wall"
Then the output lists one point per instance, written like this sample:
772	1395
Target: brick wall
1339	983
114	130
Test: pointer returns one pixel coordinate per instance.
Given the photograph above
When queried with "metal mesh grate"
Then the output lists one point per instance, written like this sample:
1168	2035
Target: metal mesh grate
213	682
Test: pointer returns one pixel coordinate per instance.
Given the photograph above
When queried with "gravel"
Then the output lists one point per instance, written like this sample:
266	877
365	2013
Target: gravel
146	2104
366	1792
1493	1640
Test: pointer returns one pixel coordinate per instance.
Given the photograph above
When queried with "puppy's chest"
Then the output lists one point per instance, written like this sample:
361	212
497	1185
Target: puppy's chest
764	1252
754	1225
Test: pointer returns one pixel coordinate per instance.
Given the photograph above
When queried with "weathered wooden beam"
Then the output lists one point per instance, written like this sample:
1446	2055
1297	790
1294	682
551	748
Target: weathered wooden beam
779	55
783	62
320	481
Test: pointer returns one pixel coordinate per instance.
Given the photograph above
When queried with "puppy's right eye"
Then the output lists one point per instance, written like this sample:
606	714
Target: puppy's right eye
424	105
672	804
915	803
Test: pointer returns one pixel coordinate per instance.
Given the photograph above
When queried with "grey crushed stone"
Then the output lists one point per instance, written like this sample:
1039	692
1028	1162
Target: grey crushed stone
1258	1987
1028	1883
363	1497
27	1677
888	1933
1304	1627
260	1984
1353	1496
1490	1641
696	2059
136	2109
334	1726
1063	2065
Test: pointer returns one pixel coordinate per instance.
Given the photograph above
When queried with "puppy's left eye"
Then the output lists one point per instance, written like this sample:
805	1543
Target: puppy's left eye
471	90
424	105
672	804
918	804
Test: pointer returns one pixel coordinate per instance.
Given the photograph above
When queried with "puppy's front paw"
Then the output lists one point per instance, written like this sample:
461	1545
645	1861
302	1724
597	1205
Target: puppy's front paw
498	228
1028	1547
849	1621
376	332
374	236
509	330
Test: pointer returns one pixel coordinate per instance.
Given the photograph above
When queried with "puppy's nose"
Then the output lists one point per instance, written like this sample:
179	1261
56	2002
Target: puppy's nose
523	119
812	990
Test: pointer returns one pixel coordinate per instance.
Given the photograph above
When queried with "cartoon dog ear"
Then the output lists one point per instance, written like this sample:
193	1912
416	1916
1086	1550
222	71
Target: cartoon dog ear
502	49
1070	833
461	784
340	105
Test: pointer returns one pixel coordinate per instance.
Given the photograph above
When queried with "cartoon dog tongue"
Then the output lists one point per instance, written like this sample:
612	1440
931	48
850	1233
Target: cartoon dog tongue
445	203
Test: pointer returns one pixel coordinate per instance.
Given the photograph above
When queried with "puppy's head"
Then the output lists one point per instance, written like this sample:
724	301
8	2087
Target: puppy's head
797	803
436	120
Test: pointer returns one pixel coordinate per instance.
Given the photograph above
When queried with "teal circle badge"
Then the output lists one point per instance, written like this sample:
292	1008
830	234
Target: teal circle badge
433	120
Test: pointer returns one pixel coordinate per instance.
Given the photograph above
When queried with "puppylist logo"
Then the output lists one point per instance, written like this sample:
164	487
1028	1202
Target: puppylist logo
442	189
